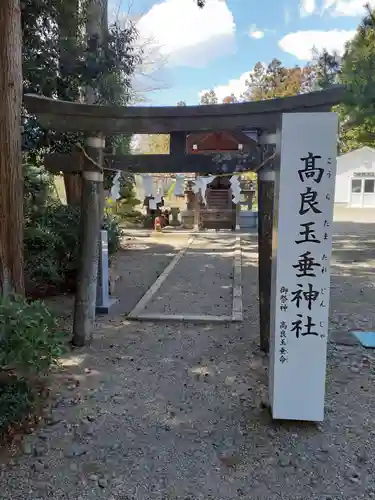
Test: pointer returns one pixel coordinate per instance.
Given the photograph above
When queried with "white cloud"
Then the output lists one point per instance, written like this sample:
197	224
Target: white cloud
335	7
347	7
236	87
302	43
186	35
307	7
256	33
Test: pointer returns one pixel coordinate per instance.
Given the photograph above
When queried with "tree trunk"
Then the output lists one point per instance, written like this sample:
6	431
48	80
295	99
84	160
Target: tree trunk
11	179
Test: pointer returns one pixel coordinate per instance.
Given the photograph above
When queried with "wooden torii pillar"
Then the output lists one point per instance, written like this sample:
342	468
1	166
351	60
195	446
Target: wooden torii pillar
266	192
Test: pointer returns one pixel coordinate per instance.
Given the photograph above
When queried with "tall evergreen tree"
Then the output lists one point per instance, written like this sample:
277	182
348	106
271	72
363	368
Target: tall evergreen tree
358	68
275	80
255	84
327	69
209	97
356	71
11	192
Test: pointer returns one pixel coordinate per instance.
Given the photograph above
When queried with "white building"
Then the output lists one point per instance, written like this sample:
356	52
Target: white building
355	178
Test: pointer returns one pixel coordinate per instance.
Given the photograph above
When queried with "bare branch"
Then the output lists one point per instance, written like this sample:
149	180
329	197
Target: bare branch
148	75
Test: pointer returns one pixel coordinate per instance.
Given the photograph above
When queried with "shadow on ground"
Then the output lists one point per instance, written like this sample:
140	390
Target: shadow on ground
179	411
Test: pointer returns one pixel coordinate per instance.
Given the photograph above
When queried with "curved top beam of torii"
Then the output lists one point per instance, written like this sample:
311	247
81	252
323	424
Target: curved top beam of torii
263	115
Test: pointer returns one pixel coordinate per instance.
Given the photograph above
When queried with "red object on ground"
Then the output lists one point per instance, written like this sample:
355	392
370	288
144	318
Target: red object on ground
157	224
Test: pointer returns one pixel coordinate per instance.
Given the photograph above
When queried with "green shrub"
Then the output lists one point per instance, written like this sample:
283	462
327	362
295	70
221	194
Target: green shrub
111	223
30	344
17	399
127	212
41	259
30	341
38	191
64	223
51	244
52	233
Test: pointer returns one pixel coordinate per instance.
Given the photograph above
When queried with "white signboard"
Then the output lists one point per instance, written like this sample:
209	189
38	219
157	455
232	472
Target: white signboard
301	265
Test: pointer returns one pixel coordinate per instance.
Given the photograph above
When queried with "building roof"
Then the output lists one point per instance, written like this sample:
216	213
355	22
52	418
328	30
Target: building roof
359	150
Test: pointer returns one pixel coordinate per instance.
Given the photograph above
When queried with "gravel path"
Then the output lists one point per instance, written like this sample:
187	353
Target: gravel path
201	282
162	412
137	265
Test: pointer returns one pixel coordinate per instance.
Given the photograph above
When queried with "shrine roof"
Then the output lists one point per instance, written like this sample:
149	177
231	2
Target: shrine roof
225	141
109	120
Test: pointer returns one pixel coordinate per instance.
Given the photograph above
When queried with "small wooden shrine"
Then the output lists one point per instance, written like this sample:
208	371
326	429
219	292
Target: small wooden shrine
217	211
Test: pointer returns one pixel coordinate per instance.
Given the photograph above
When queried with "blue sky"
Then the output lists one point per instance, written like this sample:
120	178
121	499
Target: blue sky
188	50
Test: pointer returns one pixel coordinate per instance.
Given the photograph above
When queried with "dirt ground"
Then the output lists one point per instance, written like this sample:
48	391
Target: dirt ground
362	215
179	411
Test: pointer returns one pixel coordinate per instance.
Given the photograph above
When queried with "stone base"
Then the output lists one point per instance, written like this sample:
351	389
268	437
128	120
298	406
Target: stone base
187	219
248	220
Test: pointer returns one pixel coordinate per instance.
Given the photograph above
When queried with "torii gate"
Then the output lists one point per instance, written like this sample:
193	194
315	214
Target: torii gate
288	131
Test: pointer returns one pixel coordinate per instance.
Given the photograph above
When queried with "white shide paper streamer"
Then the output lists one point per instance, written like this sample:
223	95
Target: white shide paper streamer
148	185
114	194
201	184
179	185
236	189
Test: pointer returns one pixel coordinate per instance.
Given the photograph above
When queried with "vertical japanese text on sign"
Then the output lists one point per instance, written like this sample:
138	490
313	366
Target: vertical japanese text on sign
301	264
